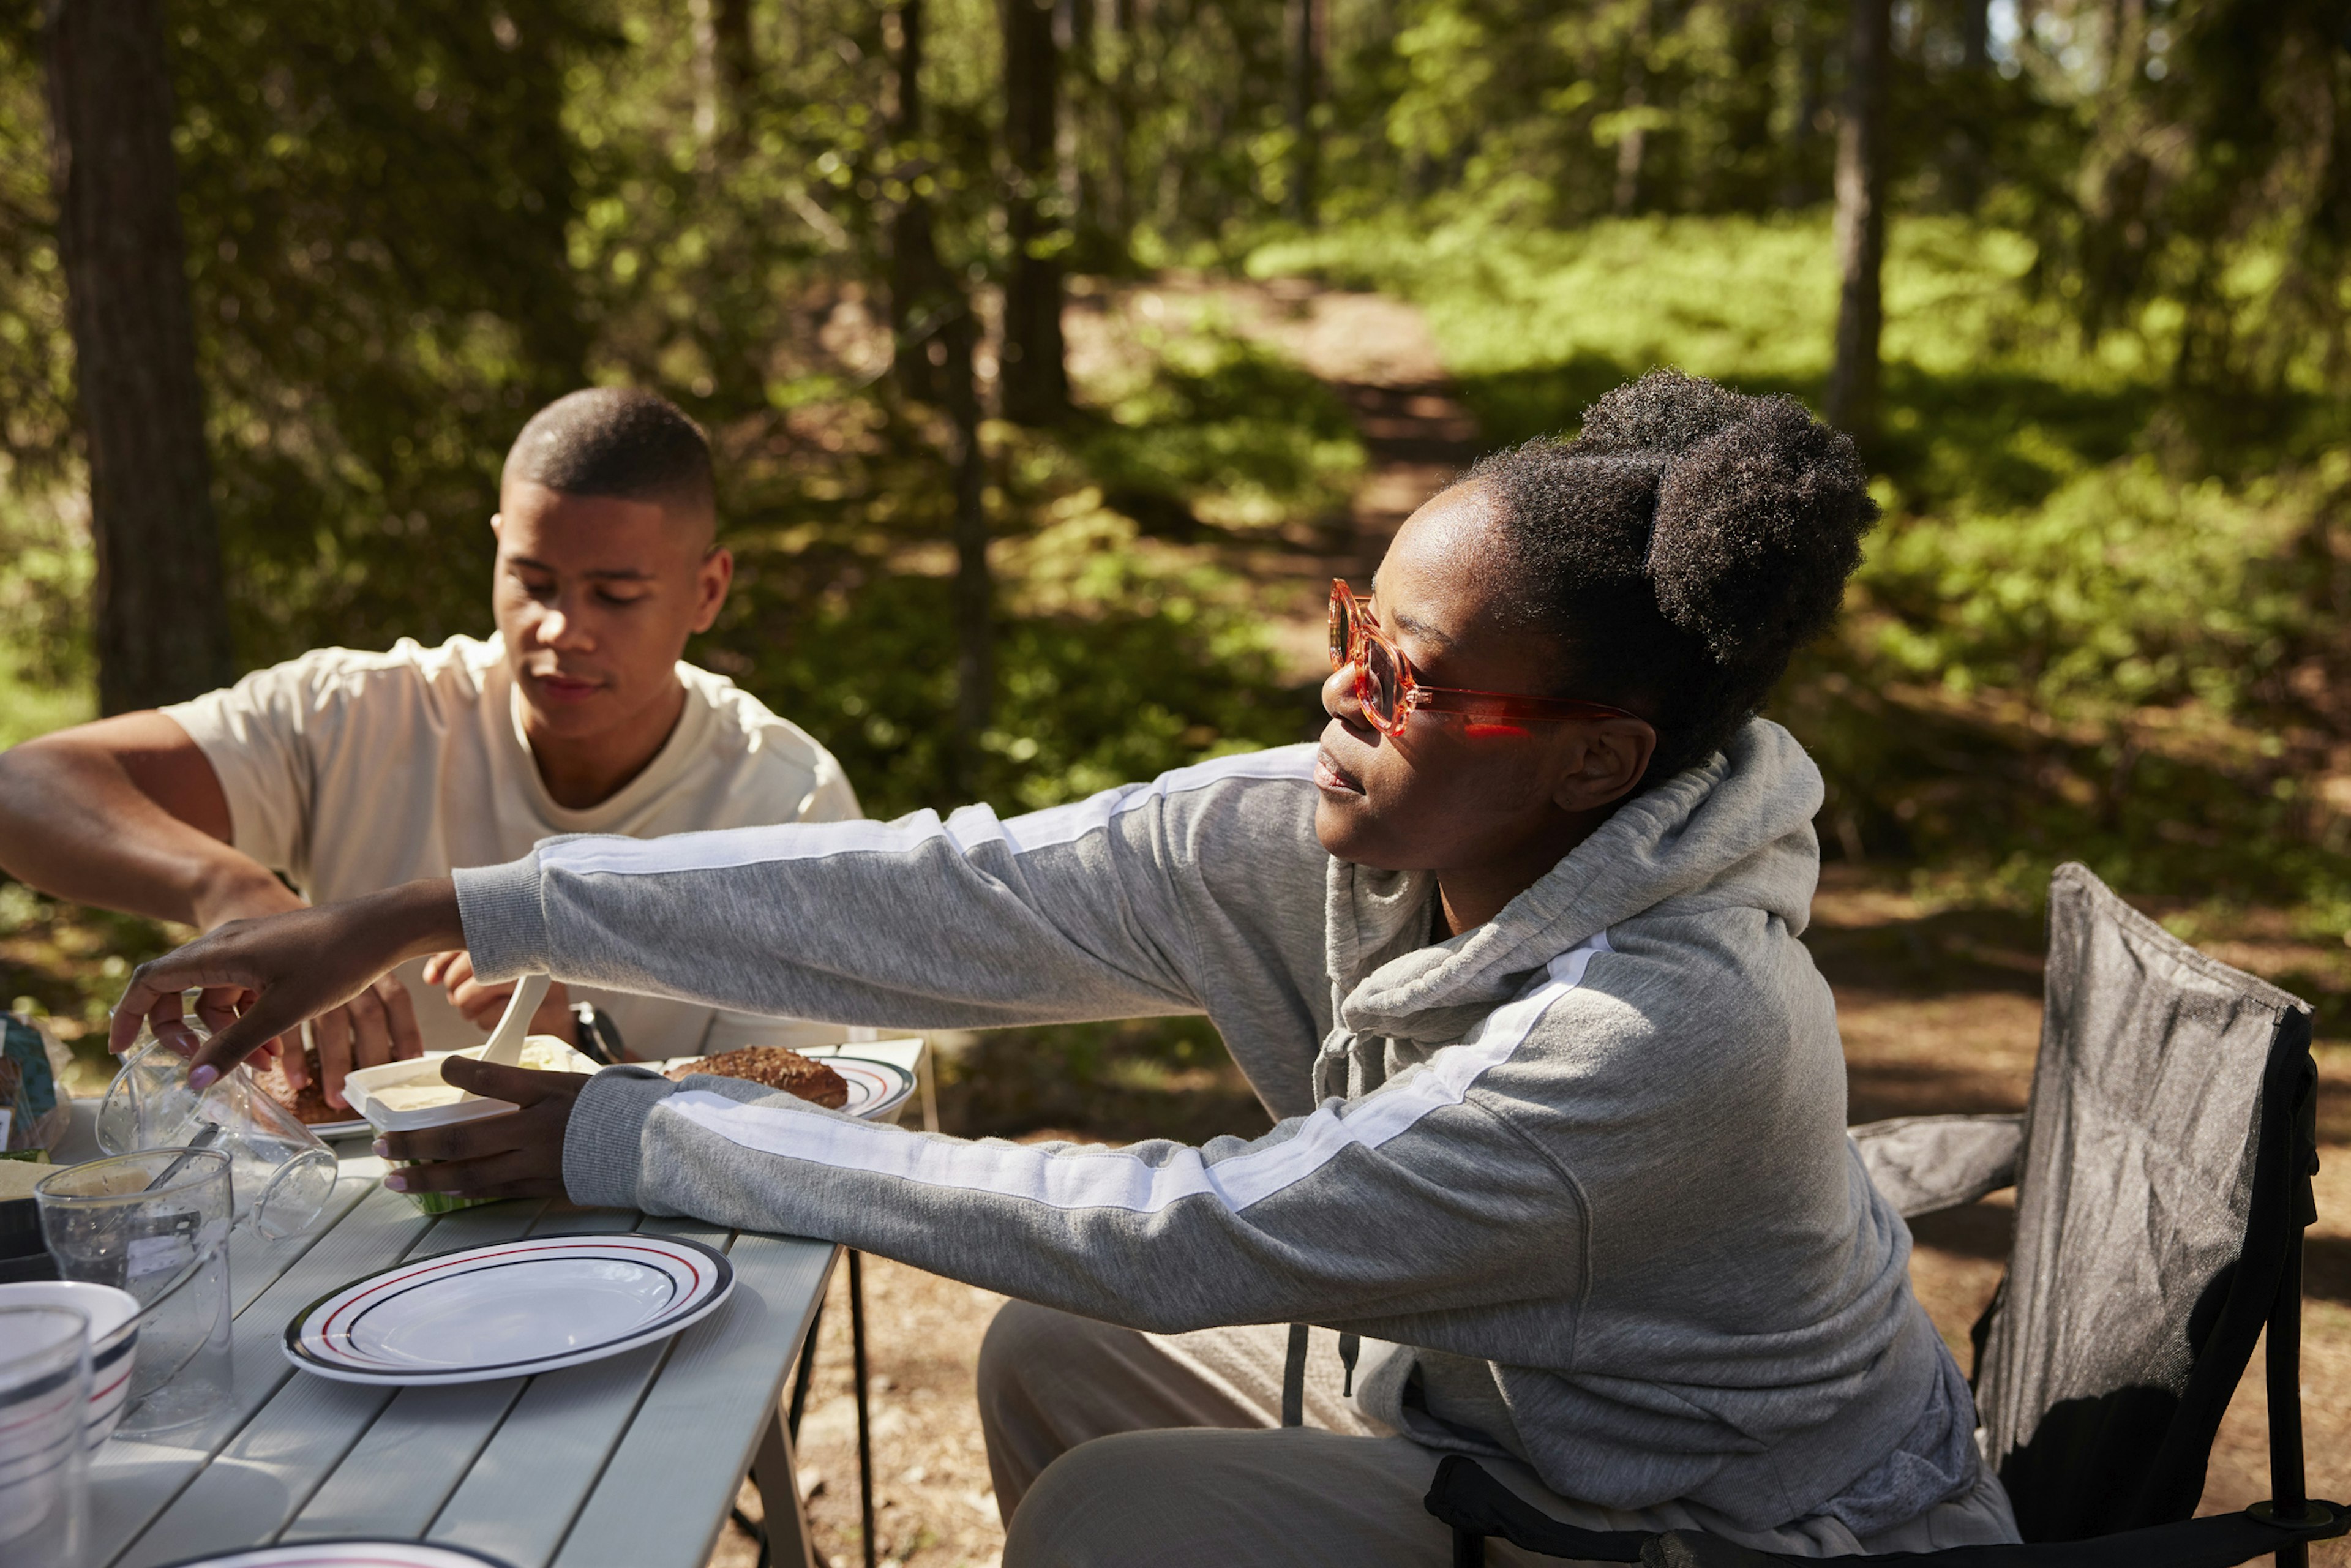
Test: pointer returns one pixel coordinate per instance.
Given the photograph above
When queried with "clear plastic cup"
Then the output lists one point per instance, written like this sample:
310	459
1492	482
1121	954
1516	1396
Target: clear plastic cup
155	1224
283	1174
44	1464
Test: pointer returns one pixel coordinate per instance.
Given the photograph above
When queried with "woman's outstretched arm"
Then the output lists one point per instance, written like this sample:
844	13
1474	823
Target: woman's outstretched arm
1096	909
1128	904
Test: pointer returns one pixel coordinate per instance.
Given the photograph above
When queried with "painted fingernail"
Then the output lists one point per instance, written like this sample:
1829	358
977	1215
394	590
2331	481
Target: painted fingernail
380	1148
397	1182
203	1078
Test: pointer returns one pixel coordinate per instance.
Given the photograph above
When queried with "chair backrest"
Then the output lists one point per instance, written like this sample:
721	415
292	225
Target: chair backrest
2163	1151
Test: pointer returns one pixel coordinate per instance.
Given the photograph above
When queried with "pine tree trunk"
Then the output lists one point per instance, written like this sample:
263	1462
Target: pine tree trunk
1632	147
1118	195
738	63
921	295
1860	222
936	337
162	626
1034	382
1964	167
974	587
1305	87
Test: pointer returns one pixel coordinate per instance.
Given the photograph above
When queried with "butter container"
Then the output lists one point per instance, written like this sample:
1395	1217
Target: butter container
405	1096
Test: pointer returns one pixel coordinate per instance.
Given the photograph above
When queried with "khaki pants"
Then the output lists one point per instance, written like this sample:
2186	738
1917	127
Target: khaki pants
1111	1448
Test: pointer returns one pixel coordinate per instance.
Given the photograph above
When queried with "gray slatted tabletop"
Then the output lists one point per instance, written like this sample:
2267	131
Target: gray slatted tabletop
634	1459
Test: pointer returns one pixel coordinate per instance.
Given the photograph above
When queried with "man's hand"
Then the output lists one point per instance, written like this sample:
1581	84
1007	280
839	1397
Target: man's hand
519	1156
378	1025
483	1005
291	967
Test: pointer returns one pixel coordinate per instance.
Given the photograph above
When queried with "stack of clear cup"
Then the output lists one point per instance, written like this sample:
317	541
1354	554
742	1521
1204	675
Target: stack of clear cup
44	1464
282	1175
154	1224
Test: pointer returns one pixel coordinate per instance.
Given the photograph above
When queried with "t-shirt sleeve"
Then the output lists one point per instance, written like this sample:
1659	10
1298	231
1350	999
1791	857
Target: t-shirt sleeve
257	735
834	798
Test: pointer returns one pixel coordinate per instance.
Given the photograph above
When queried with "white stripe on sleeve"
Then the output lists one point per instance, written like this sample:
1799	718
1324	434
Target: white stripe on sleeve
966	829
1114	1178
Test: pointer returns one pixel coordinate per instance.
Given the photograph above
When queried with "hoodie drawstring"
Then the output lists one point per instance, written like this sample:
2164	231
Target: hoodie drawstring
1293	1378
1293	1373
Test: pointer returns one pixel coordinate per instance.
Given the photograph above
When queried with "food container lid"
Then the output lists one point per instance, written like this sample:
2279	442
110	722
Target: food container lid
361	1088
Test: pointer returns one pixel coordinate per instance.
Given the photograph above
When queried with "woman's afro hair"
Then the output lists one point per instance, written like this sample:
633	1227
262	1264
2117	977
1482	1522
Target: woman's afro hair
1682	547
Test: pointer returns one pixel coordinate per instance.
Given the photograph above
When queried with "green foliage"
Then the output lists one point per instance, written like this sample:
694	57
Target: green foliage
2212	179
2125	589
36	364
1119	654
1085	701
1220	433
376	199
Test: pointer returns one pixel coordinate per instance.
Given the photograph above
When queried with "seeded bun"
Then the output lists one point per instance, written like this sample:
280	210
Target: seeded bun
776	1068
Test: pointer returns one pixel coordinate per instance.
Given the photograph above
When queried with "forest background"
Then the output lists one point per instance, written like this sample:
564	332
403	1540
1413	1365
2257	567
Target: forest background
1026	505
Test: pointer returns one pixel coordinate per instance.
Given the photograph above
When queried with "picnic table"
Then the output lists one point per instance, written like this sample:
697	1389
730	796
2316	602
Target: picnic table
635	1458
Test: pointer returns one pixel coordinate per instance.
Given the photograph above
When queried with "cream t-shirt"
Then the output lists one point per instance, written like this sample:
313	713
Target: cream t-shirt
352	772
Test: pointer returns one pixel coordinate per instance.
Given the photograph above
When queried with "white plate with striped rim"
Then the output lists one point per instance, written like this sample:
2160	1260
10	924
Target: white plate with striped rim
511	1309
875	1087
348	1554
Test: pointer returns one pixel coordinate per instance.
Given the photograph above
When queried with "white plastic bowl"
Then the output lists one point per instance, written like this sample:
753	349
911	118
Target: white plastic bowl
114	1341
362	1087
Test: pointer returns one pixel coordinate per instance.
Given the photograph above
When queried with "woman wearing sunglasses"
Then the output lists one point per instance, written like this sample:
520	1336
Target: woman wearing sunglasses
1559	1177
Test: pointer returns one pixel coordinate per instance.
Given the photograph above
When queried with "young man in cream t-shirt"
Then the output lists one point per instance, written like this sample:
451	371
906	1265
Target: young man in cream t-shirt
348	772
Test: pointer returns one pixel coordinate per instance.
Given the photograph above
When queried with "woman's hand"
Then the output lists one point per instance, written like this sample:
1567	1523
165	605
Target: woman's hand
378	1025
289	967
519	1156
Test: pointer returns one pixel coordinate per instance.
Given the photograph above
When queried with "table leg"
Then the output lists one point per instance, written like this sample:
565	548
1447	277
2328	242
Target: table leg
774	1470
807	1372
864	1427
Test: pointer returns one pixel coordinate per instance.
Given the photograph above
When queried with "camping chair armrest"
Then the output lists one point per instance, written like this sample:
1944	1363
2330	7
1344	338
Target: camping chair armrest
1922	1164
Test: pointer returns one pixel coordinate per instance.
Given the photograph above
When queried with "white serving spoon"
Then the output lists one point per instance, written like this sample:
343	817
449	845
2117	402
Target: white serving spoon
504	1049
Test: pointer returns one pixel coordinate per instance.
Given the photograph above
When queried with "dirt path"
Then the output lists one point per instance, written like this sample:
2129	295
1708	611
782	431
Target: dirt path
1379	355
1376	353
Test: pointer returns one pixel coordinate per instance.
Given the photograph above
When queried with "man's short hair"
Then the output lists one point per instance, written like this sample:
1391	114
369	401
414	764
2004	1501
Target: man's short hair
616	441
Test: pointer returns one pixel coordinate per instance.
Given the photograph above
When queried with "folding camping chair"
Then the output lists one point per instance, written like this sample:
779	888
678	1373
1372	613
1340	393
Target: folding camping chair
2163	1184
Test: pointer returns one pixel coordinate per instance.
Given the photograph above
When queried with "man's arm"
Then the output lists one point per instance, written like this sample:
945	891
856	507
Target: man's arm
127	813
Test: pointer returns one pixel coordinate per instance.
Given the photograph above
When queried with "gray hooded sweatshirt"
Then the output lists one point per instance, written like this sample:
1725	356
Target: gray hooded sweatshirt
1580	1173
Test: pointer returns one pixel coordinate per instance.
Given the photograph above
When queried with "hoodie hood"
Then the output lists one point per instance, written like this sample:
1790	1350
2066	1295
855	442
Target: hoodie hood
1736	831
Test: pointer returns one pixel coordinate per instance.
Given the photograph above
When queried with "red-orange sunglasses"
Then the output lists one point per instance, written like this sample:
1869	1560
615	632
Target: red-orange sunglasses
1387	690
